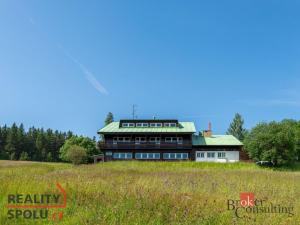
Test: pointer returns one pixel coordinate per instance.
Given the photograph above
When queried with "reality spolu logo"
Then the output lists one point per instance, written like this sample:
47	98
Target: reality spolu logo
37	206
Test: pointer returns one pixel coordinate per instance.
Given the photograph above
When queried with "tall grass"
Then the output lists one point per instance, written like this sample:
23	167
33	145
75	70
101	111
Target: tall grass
152	192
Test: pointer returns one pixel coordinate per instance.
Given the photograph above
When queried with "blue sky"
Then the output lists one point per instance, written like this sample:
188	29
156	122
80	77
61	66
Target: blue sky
66	64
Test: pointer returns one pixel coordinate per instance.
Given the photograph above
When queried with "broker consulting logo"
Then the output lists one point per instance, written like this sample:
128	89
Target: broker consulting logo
248	206
37	206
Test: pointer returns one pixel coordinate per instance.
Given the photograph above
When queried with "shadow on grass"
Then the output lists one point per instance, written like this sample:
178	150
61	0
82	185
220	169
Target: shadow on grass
289	167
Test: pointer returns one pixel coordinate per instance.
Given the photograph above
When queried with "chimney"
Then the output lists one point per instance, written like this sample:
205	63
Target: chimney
208	133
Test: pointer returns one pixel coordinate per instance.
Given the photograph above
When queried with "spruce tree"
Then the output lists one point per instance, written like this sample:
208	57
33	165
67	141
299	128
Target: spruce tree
12	142
109	118
236	127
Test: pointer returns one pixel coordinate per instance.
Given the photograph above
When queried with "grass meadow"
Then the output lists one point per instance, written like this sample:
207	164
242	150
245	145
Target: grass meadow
152	192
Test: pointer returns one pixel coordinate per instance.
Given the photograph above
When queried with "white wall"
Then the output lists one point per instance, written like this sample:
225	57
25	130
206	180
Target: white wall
230	156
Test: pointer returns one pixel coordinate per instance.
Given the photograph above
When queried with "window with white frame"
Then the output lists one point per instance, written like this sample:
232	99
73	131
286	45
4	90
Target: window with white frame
121	139
170	124
140	140
127	124
210	155
155	124
200	154
221	155
174	140
122	155
155	140
170	139
142	125
147	155
175	155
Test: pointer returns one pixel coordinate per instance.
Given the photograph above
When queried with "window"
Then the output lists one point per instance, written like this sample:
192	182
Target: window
126	139
155	140
121	139
147	155
108	153
184	155
221	155
140	140
121	155
170	124
127	124
141	124
210	155
179	140
175	155
155	124
174	140
200	154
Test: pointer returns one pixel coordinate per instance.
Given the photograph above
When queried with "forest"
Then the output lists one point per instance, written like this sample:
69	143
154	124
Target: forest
34	144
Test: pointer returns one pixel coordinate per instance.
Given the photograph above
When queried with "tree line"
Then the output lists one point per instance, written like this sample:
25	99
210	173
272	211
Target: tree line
277	142
34	144
38	144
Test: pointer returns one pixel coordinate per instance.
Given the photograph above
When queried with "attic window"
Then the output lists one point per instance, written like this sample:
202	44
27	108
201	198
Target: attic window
141	124
127	124
155	124
170	124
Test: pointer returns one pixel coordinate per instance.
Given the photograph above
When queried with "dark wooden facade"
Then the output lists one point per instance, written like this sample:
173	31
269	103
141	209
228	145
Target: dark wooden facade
111	145
108	145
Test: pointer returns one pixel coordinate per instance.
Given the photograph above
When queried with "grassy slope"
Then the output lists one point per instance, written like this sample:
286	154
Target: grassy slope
152	192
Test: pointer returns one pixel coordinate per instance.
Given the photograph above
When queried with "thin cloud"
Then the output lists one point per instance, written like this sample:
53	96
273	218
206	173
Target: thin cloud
88	74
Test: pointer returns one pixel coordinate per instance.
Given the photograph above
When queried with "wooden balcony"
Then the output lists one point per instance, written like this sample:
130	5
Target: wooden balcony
145	145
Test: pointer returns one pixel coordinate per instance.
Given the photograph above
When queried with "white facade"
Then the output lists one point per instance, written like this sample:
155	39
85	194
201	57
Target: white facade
217	156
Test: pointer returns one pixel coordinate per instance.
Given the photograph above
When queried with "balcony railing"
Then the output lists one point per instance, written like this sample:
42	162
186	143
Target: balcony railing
145	145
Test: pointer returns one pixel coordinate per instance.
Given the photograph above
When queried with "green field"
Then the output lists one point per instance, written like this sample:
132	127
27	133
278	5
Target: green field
152	192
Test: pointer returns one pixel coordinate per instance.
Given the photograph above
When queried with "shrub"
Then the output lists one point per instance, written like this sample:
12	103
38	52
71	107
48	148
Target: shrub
76	154
87	143
24	156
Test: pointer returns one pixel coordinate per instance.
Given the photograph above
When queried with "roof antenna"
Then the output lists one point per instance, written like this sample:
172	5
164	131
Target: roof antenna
134	116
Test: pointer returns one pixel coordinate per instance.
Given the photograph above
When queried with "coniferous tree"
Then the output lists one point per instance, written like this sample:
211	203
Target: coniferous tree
12	142
236	127
21	141
109	118
35	144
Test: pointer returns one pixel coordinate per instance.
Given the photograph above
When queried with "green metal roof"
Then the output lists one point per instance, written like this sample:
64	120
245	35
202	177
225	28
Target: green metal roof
216	140
184	127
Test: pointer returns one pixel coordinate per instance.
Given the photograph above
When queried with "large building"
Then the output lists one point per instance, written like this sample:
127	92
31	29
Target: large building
166	140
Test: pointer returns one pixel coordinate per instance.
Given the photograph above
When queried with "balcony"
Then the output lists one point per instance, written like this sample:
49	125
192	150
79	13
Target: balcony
145	145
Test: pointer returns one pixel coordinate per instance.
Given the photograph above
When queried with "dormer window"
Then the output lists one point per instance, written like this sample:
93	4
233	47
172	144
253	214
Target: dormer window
170	124
155	124
141	124
127	124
